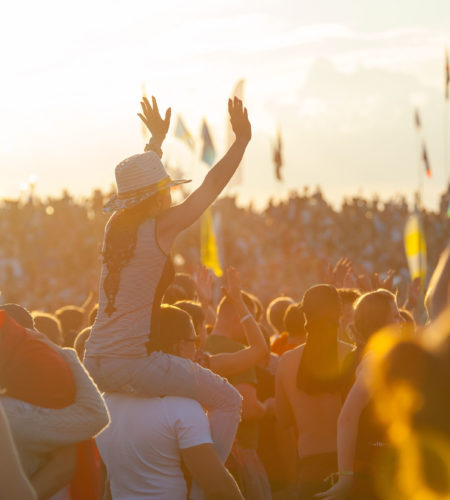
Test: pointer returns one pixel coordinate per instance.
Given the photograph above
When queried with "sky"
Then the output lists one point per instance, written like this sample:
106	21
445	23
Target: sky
339	77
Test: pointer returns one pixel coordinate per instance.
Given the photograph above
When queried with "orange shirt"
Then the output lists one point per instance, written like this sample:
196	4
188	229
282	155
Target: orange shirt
30	370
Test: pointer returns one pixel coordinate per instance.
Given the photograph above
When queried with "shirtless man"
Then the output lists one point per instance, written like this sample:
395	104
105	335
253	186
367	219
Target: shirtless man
310	383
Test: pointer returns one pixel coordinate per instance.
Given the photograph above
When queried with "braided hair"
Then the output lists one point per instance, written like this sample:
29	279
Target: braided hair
120	243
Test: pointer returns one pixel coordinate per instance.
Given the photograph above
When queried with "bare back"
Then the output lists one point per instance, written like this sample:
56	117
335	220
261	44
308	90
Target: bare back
315	415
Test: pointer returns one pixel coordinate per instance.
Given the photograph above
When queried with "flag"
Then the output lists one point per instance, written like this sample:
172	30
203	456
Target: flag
426	162
238	91
144	131
277	157
208	243
181	132
447	76
208	150
415	247
417	119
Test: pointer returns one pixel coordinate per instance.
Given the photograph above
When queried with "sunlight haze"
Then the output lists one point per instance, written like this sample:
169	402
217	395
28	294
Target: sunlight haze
341	79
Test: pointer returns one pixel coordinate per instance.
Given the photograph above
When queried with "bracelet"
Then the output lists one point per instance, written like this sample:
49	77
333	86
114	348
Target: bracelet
335	476
244	318
152	147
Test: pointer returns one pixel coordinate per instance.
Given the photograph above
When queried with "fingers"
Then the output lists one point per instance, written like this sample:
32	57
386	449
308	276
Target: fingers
155	105
143	118
168	115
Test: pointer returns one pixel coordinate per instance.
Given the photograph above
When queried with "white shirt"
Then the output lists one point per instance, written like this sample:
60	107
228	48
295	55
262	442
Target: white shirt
140	448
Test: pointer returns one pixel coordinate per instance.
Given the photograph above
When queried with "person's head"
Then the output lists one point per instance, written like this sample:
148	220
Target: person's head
71	319
195	311
275	312
176	334
348	297
228	321
185	281
80	342
321	305
174	293
294	321
19	314
319	370
258	306
374	311
49	325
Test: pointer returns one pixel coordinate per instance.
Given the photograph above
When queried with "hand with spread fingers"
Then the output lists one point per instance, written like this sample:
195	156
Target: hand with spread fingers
239	120
157	126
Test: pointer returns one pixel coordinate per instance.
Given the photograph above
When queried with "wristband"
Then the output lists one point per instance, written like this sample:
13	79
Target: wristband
151	146
244	318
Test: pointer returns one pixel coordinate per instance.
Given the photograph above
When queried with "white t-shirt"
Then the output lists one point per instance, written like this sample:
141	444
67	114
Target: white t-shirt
140	448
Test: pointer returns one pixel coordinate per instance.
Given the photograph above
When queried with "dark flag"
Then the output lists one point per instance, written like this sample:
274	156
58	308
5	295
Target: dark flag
426	162
447	76
417	119
278	157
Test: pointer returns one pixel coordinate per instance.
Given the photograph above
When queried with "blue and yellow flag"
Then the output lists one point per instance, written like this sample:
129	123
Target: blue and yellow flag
208	149
208	242
181	132
415	247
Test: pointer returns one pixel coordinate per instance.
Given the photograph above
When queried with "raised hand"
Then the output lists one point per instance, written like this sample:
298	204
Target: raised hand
239	120
203	282
233	286
341	269
152	119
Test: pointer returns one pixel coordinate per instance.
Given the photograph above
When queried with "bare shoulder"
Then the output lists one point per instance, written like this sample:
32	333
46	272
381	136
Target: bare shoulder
290	358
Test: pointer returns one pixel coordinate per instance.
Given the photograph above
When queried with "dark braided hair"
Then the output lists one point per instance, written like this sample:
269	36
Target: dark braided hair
120	243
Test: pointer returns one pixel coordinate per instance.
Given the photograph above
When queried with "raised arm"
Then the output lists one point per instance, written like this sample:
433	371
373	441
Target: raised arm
183	215
437	296
357	400
227	364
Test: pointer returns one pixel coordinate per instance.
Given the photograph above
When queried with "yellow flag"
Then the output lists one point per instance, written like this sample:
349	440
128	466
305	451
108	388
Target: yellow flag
415	247
208	243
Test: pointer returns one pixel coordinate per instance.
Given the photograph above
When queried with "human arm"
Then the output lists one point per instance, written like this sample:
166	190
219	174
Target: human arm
13	481
56	473
227	364
209	472
252	408
181	216
203	282
437	295
348	422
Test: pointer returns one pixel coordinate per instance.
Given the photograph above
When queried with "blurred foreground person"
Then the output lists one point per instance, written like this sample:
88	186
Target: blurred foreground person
310	390
14	485
50	401
120	353
361	438
150	439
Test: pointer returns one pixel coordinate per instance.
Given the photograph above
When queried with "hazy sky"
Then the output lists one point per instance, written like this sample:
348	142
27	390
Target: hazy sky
340	77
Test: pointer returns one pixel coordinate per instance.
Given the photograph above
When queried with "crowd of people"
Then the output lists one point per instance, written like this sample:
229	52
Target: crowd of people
316	369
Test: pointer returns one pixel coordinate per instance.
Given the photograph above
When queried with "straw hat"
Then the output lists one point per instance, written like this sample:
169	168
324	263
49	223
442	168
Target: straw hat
139	177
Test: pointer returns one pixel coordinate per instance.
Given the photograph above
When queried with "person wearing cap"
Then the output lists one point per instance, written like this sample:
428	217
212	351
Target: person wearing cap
137	270
310	390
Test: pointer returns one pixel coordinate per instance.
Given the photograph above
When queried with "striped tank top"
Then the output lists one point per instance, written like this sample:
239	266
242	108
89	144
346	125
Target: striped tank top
143	281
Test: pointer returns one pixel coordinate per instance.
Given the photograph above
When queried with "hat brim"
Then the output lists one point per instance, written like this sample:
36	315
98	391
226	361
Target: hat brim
116	203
